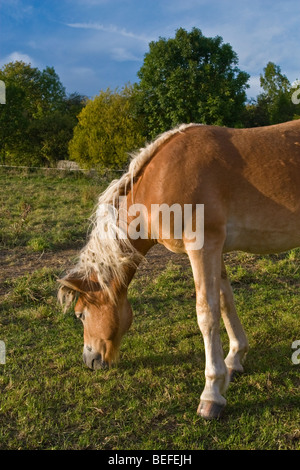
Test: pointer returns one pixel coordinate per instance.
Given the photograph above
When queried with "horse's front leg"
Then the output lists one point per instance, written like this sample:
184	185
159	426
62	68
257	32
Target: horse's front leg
206	265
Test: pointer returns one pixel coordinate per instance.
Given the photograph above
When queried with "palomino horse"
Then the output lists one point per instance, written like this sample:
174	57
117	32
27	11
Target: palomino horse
249	183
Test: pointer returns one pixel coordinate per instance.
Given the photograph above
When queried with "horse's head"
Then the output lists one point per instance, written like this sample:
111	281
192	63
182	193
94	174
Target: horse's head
104	319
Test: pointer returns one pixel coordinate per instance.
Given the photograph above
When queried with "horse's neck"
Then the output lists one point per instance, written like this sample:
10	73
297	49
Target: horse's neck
128	210
130	271
141	245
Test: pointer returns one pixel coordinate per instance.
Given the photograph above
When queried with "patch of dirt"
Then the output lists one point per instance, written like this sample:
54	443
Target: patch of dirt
19	262
157	259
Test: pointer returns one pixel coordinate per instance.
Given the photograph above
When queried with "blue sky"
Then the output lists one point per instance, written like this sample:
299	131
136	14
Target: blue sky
95	44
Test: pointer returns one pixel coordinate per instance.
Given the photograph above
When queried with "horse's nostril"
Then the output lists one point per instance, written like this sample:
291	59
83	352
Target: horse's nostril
98	363
93	359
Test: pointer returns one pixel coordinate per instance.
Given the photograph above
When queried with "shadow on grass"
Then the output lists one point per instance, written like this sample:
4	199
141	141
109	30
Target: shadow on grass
262	387
158	360
259	360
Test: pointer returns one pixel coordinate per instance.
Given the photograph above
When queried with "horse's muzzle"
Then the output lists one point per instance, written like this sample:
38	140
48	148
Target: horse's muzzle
93	359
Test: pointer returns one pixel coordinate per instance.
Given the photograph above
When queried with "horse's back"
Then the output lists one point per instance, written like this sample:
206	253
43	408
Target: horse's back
247	179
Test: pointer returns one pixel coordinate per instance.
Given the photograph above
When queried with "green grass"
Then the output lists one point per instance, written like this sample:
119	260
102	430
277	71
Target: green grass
50	400
43	211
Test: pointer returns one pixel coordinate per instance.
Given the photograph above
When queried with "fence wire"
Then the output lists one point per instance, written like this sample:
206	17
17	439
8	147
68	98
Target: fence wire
59	169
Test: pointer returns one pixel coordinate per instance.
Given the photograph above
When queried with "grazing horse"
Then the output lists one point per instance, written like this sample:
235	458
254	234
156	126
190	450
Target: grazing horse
247	180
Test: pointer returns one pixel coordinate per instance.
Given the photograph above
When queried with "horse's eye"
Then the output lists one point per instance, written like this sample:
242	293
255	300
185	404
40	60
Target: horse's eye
80	315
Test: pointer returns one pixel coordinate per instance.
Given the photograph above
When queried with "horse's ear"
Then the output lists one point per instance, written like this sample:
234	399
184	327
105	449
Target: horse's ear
75	284
69	287
80	285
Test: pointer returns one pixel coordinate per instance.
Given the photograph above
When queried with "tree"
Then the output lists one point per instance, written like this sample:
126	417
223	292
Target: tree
52	130
277	93
256	112
19	80
191	78
274	105
107	130
273	81
37	121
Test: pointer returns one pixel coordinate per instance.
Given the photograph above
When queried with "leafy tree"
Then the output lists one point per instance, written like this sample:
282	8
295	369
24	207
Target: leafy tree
107	130
256	112
37	121
191	78
274	104
53	93
273	81
277	93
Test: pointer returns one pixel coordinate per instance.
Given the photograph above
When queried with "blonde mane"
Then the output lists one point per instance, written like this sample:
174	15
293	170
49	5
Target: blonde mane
107	255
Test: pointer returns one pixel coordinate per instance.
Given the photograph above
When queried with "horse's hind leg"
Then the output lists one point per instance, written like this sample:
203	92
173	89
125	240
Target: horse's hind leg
237	338
206	265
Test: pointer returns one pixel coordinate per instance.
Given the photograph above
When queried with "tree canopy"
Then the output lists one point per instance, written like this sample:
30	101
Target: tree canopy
37	121
275	103
107	130
187	78
191	78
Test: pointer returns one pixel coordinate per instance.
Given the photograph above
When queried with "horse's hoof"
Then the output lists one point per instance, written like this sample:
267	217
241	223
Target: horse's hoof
210	410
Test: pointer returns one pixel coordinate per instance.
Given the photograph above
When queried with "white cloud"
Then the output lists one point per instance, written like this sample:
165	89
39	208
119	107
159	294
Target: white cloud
16	57
122	55
110	29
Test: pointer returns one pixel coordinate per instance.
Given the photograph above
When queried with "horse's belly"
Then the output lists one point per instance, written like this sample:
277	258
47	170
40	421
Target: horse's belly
261	240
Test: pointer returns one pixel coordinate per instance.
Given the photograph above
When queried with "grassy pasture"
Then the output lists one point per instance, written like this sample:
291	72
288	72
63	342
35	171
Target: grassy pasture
50	400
